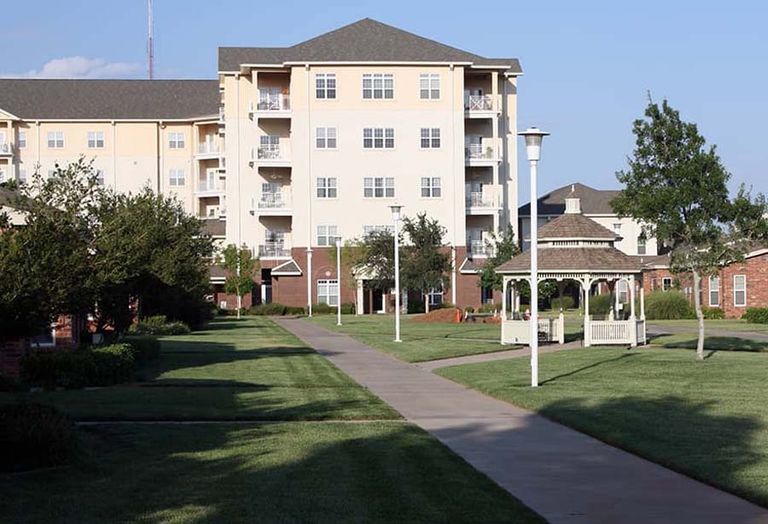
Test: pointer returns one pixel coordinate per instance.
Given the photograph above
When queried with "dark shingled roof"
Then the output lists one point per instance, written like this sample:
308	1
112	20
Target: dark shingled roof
571	225
215	227
363	41
593	201
576	259
109	99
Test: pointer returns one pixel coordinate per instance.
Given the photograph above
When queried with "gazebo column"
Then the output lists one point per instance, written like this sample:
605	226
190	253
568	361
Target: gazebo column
632	320
561	316
587	283
504	282
614	299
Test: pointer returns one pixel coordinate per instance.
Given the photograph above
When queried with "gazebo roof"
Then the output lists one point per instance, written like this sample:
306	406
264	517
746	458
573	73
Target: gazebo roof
573	260
575	226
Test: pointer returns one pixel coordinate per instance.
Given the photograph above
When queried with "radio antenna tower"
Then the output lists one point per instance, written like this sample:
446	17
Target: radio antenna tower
150	41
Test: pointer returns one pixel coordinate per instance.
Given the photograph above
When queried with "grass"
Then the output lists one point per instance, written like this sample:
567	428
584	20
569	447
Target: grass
296	469
686	341
707	420
714	325
421	341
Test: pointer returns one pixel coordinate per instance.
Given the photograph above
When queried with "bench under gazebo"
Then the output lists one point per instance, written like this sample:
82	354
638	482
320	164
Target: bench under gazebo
575	248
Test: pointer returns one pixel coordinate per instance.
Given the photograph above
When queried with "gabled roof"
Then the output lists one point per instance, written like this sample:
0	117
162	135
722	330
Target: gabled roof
366	40
287	269
593	201
69	99
577	259
574	226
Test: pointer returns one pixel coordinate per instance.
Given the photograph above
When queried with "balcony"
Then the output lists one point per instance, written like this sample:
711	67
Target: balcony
272	105
483	154
209	188
274	249
6	150
477	248
482	202
274	204
482	106
277	155
208	150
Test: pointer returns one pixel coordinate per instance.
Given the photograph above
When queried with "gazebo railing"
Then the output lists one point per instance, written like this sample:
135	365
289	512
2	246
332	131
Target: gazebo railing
616	332
518	331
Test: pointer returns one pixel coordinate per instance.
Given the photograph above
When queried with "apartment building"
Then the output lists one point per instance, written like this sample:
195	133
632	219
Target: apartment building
595	204
322	137
294	147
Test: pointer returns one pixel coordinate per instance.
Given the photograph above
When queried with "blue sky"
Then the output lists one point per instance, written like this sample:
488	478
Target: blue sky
588	65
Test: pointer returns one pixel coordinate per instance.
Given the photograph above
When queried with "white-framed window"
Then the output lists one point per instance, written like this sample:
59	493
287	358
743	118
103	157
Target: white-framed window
379	138
325	85
325	138
99	176
641	244
176	177
666	283
328	292
379	187
429	86
176	140
45	339
56	139
95	139
740	290
431	187
617	228
435	297
367	230
430	138
22	140
327	187
622	290
378	86
714	291
326	235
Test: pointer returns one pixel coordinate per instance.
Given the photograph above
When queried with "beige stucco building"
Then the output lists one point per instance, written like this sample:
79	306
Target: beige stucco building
294	146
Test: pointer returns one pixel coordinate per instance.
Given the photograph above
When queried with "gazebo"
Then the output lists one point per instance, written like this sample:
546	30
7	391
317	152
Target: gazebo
575	248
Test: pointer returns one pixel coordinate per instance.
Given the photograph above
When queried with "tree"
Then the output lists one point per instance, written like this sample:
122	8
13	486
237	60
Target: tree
373	257
425	263
678	187
240	267
503	247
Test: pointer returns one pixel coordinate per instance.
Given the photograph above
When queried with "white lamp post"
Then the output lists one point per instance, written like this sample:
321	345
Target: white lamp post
338	281
533	138
396	219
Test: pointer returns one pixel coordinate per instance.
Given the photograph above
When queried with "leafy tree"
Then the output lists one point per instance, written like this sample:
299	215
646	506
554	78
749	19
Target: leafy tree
425	264
350	255
374	257
503	247
678	187
240	267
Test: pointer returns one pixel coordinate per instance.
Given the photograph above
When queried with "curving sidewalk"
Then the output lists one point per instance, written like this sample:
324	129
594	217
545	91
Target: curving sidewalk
562	474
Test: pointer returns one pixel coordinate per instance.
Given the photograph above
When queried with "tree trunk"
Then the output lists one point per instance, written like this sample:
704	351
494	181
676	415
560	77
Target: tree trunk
426	302
699	314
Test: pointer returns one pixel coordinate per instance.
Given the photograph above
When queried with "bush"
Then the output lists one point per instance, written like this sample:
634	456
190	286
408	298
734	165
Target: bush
158	325
295	310
669	305
600	304
113	364
568	303
469	309
323	309
415	306
348	309
145	348
488	308
756	315
713	313
34	436
52	369
268	309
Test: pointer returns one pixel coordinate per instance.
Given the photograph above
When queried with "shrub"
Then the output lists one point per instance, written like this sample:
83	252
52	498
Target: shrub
51	369
713	313
113	364
756	315
488	308
415	306
294	310
568	303
347	309
33	436
144	347
600	304
158	325
669	305
323	309
267	309
469	309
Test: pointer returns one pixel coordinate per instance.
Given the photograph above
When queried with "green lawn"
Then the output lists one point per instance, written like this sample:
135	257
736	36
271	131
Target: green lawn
297	469
713	326
421	341
713	343
706	419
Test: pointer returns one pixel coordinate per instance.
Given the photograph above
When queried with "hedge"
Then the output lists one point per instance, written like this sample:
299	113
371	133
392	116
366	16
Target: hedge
145	347
600	304
268	309
568	303
158	325
668	305
114	364
756	315
34	436
713	313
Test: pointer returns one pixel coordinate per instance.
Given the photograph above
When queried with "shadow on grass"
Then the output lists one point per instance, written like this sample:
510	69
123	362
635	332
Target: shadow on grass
711	343
269	473
589	367
685	435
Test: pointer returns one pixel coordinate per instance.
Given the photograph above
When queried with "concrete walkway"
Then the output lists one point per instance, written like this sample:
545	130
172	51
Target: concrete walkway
431	365
563	475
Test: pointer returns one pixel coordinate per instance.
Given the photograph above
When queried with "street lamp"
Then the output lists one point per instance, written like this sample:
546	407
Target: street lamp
396	219
338	281
533	138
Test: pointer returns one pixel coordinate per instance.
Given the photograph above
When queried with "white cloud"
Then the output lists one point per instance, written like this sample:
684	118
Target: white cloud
83	67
